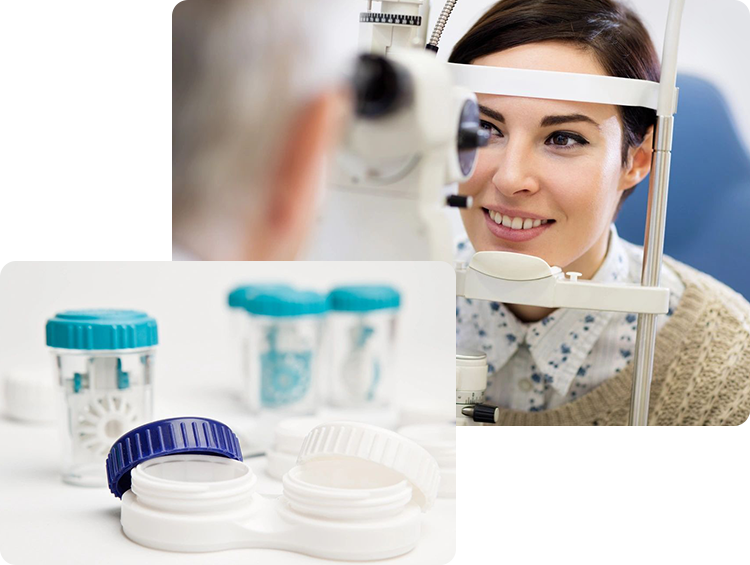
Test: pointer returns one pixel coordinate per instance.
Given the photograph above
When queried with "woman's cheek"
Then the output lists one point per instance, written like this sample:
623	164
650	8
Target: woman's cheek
577	190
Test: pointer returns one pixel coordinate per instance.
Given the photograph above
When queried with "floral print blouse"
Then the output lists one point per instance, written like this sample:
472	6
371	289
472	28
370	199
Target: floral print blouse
542	365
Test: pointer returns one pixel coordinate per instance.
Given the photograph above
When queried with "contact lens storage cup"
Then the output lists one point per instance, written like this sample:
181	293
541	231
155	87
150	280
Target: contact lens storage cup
362	333
104	363
284	350
356	492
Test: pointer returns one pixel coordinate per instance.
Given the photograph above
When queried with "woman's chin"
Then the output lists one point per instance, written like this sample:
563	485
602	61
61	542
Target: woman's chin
495	244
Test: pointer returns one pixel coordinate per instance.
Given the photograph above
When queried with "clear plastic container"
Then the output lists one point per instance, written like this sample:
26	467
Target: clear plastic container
104	370
284	351
237	300
362	334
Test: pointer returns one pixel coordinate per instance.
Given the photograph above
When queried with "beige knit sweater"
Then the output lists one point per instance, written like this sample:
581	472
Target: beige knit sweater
701	367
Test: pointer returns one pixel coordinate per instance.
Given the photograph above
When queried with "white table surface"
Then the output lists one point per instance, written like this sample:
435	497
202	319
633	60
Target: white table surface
45	521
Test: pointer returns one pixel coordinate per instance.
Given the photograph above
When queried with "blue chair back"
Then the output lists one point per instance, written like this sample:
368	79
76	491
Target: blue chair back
708	214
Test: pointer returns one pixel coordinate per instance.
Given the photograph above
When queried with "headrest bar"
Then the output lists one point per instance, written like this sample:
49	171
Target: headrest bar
555	85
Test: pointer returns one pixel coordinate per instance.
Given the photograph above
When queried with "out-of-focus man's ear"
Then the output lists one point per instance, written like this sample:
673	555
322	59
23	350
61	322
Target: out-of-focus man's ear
310	139
639	162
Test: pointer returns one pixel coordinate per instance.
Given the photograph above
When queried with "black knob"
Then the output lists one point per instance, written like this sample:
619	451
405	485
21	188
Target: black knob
486	413
381	87
459	201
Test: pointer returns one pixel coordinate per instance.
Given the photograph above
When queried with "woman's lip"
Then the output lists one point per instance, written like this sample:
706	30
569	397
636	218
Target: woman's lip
508	234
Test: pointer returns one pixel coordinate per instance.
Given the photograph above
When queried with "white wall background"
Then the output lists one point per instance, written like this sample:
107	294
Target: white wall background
197	358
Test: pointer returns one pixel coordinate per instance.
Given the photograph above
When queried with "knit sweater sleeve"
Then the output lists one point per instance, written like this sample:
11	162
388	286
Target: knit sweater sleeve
708	381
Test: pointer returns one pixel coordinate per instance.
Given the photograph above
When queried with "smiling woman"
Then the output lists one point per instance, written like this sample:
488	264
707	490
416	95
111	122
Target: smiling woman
558	161
550	183
569	163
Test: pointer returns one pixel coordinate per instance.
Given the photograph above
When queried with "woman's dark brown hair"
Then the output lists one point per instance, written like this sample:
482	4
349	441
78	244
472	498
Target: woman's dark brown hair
608	29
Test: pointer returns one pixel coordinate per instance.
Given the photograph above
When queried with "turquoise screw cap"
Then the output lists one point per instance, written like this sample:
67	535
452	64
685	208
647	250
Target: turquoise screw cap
364	298
285	302
101	329
239	295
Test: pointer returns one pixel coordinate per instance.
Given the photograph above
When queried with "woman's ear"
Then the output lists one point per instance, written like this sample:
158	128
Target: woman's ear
639	162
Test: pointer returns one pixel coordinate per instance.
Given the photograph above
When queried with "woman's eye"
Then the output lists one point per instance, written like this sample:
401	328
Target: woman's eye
559	139
491	128
566	140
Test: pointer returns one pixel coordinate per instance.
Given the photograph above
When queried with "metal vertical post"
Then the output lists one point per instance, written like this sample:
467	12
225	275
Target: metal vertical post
656	216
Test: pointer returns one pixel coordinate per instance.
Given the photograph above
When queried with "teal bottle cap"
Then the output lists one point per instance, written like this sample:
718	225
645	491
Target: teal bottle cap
364	298
286	302
239	295
101	329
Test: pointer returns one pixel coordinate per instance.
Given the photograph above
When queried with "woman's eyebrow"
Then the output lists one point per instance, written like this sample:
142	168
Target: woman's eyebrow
557	120
494	114
546	122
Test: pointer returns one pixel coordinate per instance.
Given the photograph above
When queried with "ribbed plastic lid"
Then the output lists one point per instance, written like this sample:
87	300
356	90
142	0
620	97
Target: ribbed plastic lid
167	437
364	298
284	302
238	296
101	329
377	445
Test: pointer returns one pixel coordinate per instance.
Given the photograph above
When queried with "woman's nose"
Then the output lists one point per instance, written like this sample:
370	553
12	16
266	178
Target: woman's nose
514	175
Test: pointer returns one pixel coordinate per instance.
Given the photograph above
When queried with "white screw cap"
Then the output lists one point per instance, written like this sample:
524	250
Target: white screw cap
30	395
380	446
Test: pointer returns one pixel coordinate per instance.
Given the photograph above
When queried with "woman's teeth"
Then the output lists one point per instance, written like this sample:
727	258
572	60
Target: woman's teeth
515	223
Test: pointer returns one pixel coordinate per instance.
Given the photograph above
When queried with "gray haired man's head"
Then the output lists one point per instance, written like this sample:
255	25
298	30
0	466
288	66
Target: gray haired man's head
243	71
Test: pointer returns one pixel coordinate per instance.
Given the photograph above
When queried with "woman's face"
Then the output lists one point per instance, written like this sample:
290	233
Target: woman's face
549	181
